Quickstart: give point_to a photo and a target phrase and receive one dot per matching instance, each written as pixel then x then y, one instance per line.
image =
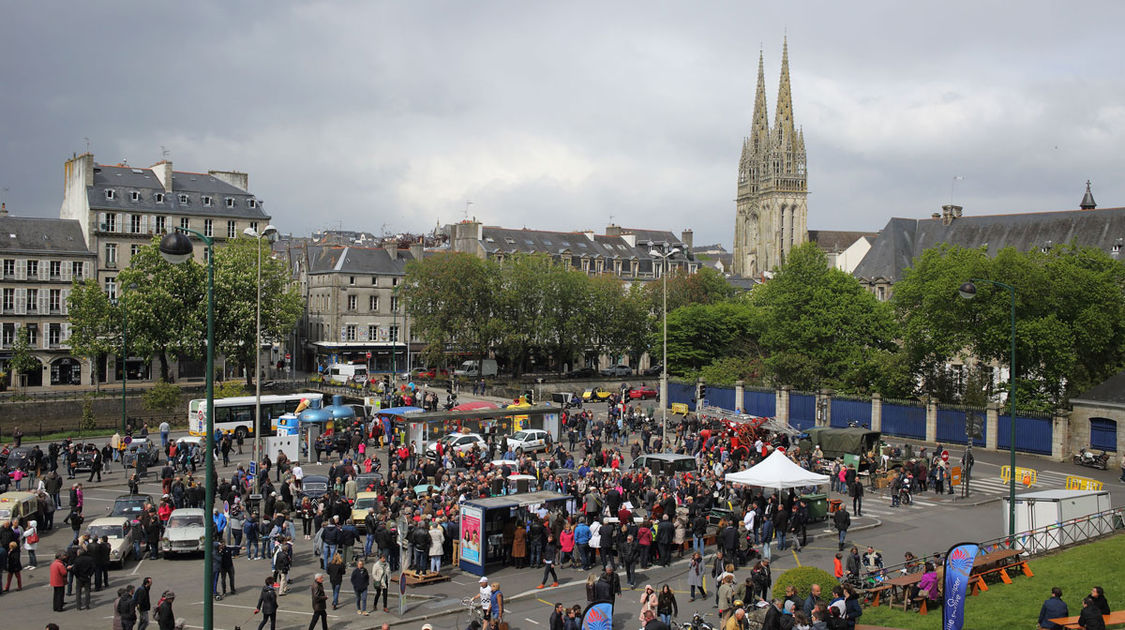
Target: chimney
pixel 417 250
pixel 686 237
pixel 391 245
pixel 163 172
pixel 613 230
pixel 588 234
pixel 950 212
pixel 234 178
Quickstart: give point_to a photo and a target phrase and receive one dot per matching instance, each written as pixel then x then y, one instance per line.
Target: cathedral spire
pixel 783 119
pixel 760 132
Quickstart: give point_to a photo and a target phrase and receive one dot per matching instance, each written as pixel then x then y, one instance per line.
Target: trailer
pixel 1049 508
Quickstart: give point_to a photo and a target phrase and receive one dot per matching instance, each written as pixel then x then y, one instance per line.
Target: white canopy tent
pixel 779 472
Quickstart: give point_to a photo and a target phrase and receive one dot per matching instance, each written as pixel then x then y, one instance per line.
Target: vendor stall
pixel 483 522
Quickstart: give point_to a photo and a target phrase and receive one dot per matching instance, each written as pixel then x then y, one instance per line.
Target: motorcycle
pixel 1090 460
pixel 696 623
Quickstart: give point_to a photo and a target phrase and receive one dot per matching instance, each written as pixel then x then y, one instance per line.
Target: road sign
pixel 955 476
pixel 1083 483
pixel 1025 476
pixel 368 354
pixel 287 356
pixel 945 456
pixel 402 594
pixel 253 470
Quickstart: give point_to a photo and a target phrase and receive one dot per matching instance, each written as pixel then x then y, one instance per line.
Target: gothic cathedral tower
pixel 772 204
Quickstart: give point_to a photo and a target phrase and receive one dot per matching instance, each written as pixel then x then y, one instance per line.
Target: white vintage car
pixel 185 531
pixel 119 532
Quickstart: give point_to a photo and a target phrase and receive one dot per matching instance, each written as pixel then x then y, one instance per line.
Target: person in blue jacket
pixel 1053 608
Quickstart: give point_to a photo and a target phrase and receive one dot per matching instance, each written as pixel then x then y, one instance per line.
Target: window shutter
pixel 21 269
pixel 63 299
pixel 101 221
pixel 144 224
pixel 65 334
pixel 21 301
pixel 44 301
pixel 64 271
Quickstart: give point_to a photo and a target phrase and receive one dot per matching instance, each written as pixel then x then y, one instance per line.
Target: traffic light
pixel 703 391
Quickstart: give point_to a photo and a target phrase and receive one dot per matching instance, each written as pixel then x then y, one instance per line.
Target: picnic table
pixel 998 563
pixel 893 587
pixel 1114 618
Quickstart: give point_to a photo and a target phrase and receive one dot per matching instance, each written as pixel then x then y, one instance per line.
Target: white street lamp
pixel 267 233
pixel 664 364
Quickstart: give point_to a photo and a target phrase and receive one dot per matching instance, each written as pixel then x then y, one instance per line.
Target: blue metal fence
pixel 904 420
pixel 1033 433
pixel 760 403
pixel 802 410
pixel 845 410
pixel 1103 434
pixel 722 397
pixel 681 393
pixel 952 424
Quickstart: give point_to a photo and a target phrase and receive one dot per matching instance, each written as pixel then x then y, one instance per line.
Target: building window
pixel 134 224
pixel 109 194
pixel 394 333
pixel 374 281
pixel 254 225
pixel 54 334
pixel 251 203
pixel 881 293
pixel 56 269
pixel 183 199
pixel 394 303
pixel 134 196
pixel 374 303
pixel 160 221
pixel 185 223
pixel 230 202
pixel 110 254
pixel 207 201
pixel 32 269
pixel 231 231
pixel 353 301
pixel 76 270
pixel 9 300
pixel 208 227
pixel 56 300
pixel 111 222
pixel 9 335
pixel 372 332
pixel 394 282
pixel 134 250
pixel 9 267
pixel 33 335
pixel 351 280
pixel 350 332
pixel 111 288
pixel 158 197
pixel 33 300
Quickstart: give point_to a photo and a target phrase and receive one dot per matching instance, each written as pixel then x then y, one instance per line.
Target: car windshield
pixel 314 485
pixel 449 438
pixel 5 514
pixel 521 435
pixel 185 520
pixel 365 502
pixel 127 507
pixel 109 531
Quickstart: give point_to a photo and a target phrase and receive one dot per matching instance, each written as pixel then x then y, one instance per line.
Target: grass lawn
pixel 1016 605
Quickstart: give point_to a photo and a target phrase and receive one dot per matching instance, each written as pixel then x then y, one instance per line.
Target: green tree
pixel 521 302
pixel 452 299
pixel 819 326
pixel 23 359
pixel 94 326
pixel 700 334
pixel 236 294
pixel 706 286
pixel 167 309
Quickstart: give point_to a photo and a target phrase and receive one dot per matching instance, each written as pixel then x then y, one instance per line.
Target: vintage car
pixel 363 501
pixel 314 486
pixel 119 532
pixel 22 506
pixel 529 441
pixel 458 442
pixel 367 482
pixel 131 505
pixel 596 394
pixel 185 532
pixel 84 460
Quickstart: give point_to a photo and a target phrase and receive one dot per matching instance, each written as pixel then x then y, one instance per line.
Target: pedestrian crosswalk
pixel 992 484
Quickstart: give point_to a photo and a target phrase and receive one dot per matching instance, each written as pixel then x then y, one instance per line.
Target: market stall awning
pixel 777 471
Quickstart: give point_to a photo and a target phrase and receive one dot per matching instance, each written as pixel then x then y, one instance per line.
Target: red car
pixel 432 373
pixel 643 393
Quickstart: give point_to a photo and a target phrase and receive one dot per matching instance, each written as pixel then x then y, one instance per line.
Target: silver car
pixel 185 532
pixel 119 532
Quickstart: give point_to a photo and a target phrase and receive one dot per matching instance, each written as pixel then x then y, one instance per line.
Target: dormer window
pixel 252 203
pixel 134 196
pixel 158 197
pixel 109 194
pixel 230 202
pixel 206 201
pixel 184 199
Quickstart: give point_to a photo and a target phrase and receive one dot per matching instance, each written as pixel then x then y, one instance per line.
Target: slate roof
pixel 35 235
pixel 836 241
pixel 125 179
pixel 1109 392
pixel 903 240
pixel 577 245
pixel 358 260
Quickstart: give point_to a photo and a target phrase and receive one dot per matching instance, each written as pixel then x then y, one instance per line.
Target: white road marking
pixel 136 568
pixel 292 612
pixel 531 620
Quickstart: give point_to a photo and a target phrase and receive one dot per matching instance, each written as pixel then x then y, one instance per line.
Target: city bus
pixel 235 415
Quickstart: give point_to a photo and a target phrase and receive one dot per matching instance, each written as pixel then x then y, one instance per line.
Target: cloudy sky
pixel 562 115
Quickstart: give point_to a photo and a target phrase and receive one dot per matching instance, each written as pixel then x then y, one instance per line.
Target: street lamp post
pixel 969 291
pixel 124 354
pixel 177 248
pixel 664 347
pixel 266 233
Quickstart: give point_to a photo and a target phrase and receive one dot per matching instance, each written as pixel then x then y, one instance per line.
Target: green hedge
pixel 803 578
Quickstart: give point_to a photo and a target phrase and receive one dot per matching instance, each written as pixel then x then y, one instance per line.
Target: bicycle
pixel 473 610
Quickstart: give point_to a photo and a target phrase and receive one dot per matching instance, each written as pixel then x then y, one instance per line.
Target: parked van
pixel 665 463
pixel 487 367
pixel 22 506
pixel 344 372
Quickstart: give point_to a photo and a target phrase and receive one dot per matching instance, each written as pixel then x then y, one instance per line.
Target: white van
pixel 487 367
pixel 344 372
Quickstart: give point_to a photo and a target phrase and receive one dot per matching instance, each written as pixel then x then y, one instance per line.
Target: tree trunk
pixel 163 366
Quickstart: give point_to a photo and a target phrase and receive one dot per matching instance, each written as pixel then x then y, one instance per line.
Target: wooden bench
pixel 1114 618
pixel 978 583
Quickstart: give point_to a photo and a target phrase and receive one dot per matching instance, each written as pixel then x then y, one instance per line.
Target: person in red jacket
pixel 58 579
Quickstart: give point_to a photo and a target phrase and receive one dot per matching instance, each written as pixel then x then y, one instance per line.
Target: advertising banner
pixel 958 567
pixel 471 534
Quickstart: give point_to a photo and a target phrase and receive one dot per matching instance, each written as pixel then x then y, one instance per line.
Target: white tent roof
pixel 779 472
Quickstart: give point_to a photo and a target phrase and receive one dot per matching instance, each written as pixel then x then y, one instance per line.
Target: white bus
pixel 235 415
